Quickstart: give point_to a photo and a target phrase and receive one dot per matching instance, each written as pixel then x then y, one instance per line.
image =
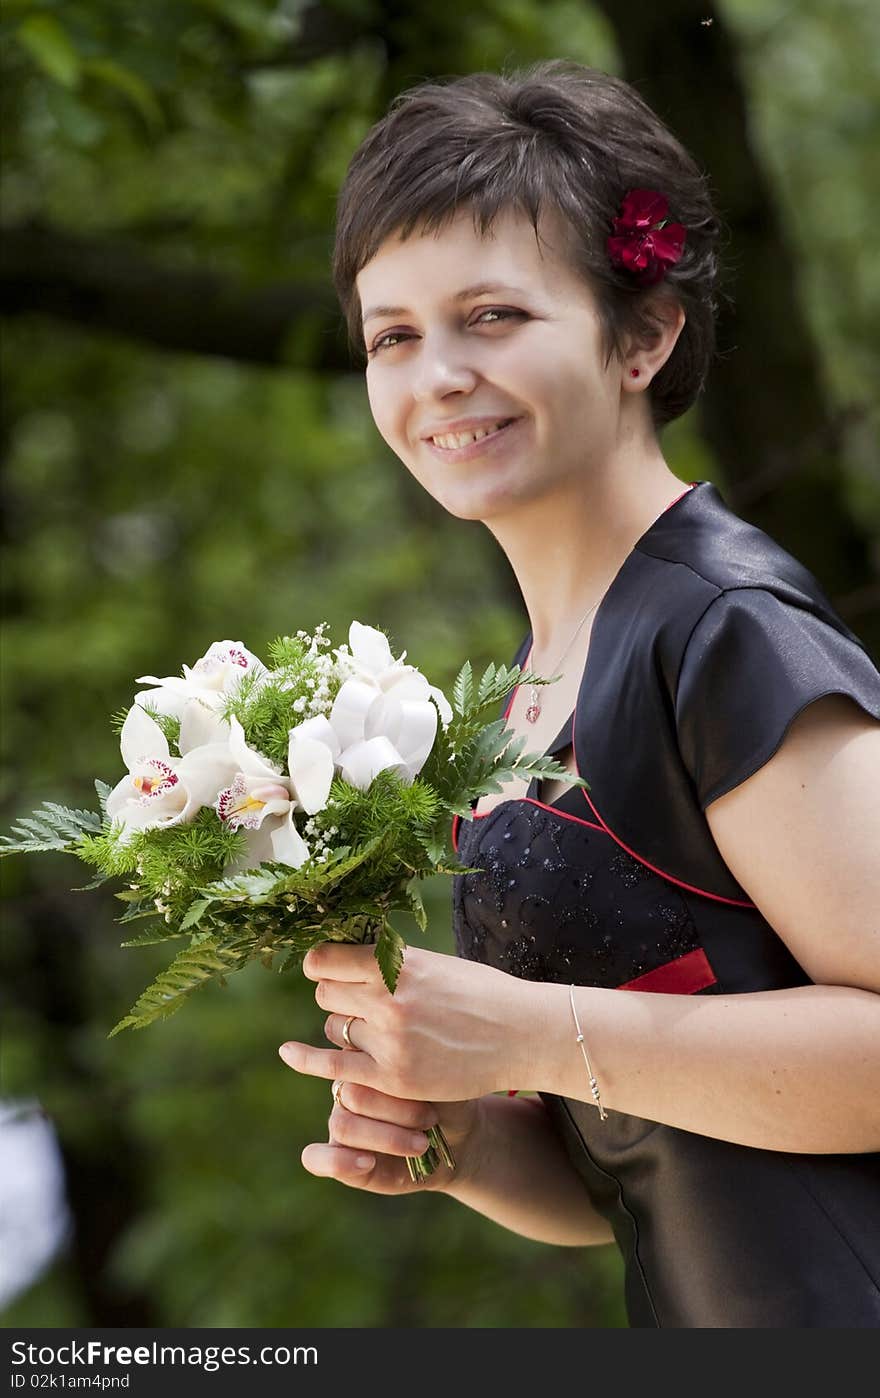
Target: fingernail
pixel 364 1162
pixel 288 1053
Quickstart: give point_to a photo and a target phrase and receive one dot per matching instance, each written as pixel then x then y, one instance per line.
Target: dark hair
pixel 553 135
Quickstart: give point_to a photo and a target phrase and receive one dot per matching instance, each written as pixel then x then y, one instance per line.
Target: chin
pixel 479 504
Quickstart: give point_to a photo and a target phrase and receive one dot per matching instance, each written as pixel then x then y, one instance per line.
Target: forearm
pixel 517 1173
pixel 793 1070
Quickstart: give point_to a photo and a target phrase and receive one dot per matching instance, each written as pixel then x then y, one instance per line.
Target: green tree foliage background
pixel 189 456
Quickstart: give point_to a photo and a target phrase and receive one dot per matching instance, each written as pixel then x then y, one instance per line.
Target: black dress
pixel 709 642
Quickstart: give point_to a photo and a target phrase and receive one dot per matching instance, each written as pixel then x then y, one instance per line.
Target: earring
pixel 634 373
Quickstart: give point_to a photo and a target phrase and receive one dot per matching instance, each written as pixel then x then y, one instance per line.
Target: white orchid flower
pixel 383 715
pixel 161 790
pixel 210 680
pixel 261 801
pixel 371 661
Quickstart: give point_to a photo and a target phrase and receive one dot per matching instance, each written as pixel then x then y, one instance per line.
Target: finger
pixel 385 1175
pixel 365 1134
pixel 337 1161
pixel 345 997
pixel 357 1032
pixel 341 961
pixel 402 1111
pixel 349 1064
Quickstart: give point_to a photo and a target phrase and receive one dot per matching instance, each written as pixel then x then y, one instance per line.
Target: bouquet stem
pixel 439 1150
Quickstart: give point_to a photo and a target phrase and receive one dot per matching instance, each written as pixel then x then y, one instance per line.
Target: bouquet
pixel 266 808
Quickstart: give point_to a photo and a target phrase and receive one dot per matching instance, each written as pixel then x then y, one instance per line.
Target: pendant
pixel 533 712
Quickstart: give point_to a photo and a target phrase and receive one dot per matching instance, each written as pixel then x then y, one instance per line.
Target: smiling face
pixel 528 350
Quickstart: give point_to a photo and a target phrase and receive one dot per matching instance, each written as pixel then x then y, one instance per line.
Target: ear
pixel 650 352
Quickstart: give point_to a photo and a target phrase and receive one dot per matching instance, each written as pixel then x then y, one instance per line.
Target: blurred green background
pixel 188 455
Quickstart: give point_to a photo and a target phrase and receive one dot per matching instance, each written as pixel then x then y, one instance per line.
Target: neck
pixel 585 530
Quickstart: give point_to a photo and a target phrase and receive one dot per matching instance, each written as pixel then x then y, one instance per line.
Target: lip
pixel 495 441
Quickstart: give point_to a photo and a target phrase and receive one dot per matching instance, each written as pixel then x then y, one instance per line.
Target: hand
pixel 371 1127
pixel 453 1030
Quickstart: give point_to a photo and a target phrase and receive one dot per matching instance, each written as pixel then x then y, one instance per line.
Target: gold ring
pixel 345 1031
pixel 337 1093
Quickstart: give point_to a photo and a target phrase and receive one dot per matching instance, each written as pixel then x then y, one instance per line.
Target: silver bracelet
pixel 594 1086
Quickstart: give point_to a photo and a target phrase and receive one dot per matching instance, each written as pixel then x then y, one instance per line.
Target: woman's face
pixel 446 356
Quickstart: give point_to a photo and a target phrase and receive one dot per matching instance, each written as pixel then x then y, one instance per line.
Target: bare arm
pixel 518 1174
pixel 793 1070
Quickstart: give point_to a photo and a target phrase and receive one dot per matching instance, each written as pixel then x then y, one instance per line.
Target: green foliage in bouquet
pixel 368 848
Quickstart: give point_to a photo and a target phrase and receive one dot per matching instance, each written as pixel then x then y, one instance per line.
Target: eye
pixel 383 341
pixel 496 311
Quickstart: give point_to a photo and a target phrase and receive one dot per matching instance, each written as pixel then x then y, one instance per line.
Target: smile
pixel 463 445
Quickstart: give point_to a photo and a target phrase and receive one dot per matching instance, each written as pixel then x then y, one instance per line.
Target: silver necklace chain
pixel 533 712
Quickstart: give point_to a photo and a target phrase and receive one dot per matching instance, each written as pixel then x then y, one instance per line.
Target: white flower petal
pixel 410 724
pixel 443 705
pixel 200 725
pixel 164 700
pixel 276 839
pixel 252 763
pixel 141 737
pixel 321 729
pixel 403 681
pixel 152 812
pixel 122 792
pixel 204 771
pixel 349 710
pixel 288 845
pixel 311 767
pixel 369 647
pixel 361 762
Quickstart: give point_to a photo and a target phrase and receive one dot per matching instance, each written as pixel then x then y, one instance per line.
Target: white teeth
pixel 452 440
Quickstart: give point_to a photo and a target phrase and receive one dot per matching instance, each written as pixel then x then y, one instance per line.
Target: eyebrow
pixel 479 289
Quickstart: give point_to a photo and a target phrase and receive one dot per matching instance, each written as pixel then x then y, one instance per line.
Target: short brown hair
pixel 553 135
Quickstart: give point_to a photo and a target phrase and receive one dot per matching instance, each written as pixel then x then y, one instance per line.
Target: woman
pixel 529 262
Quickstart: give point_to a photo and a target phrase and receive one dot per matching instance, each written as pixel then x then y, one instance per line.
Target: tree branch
pixel 105 284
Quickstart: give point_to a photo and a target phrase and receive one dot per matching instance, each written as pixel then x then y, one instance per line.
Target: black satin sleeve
pixel 752 664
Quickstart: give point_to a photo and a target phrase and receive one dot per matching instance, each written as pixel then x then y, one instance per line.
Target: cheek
pixel 387 410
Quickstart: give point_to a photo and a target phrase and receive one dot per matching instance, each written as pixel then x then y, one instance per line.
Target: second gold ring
pixel 346 1031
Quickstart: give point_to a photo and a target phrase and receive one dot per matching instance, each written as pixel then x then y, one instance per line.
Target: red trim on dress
pixel 691 888
pixel 531 801
pixel 683 976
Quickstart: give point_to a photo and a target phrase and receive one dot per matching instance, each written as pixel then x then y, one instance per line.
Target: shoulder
pixel 800 836
pixel 721 551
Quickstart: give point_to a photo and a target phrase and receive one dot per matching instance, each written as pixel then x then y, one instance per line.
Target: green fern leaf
pixel 252 886
pixel 463 689
pixel 487 686
pixel 194 913
pixel 151 939
pixel 51 827
pixel 103 790
pixel 413 896
pixel 390 948
pixel 190 969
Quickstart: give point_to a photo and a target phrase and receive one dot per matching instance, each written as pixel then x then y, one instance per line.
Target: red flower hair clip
pixel 644 242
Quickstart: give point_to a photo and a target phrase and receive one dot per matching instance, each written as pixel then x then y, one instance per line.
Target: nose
pixel 441 369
